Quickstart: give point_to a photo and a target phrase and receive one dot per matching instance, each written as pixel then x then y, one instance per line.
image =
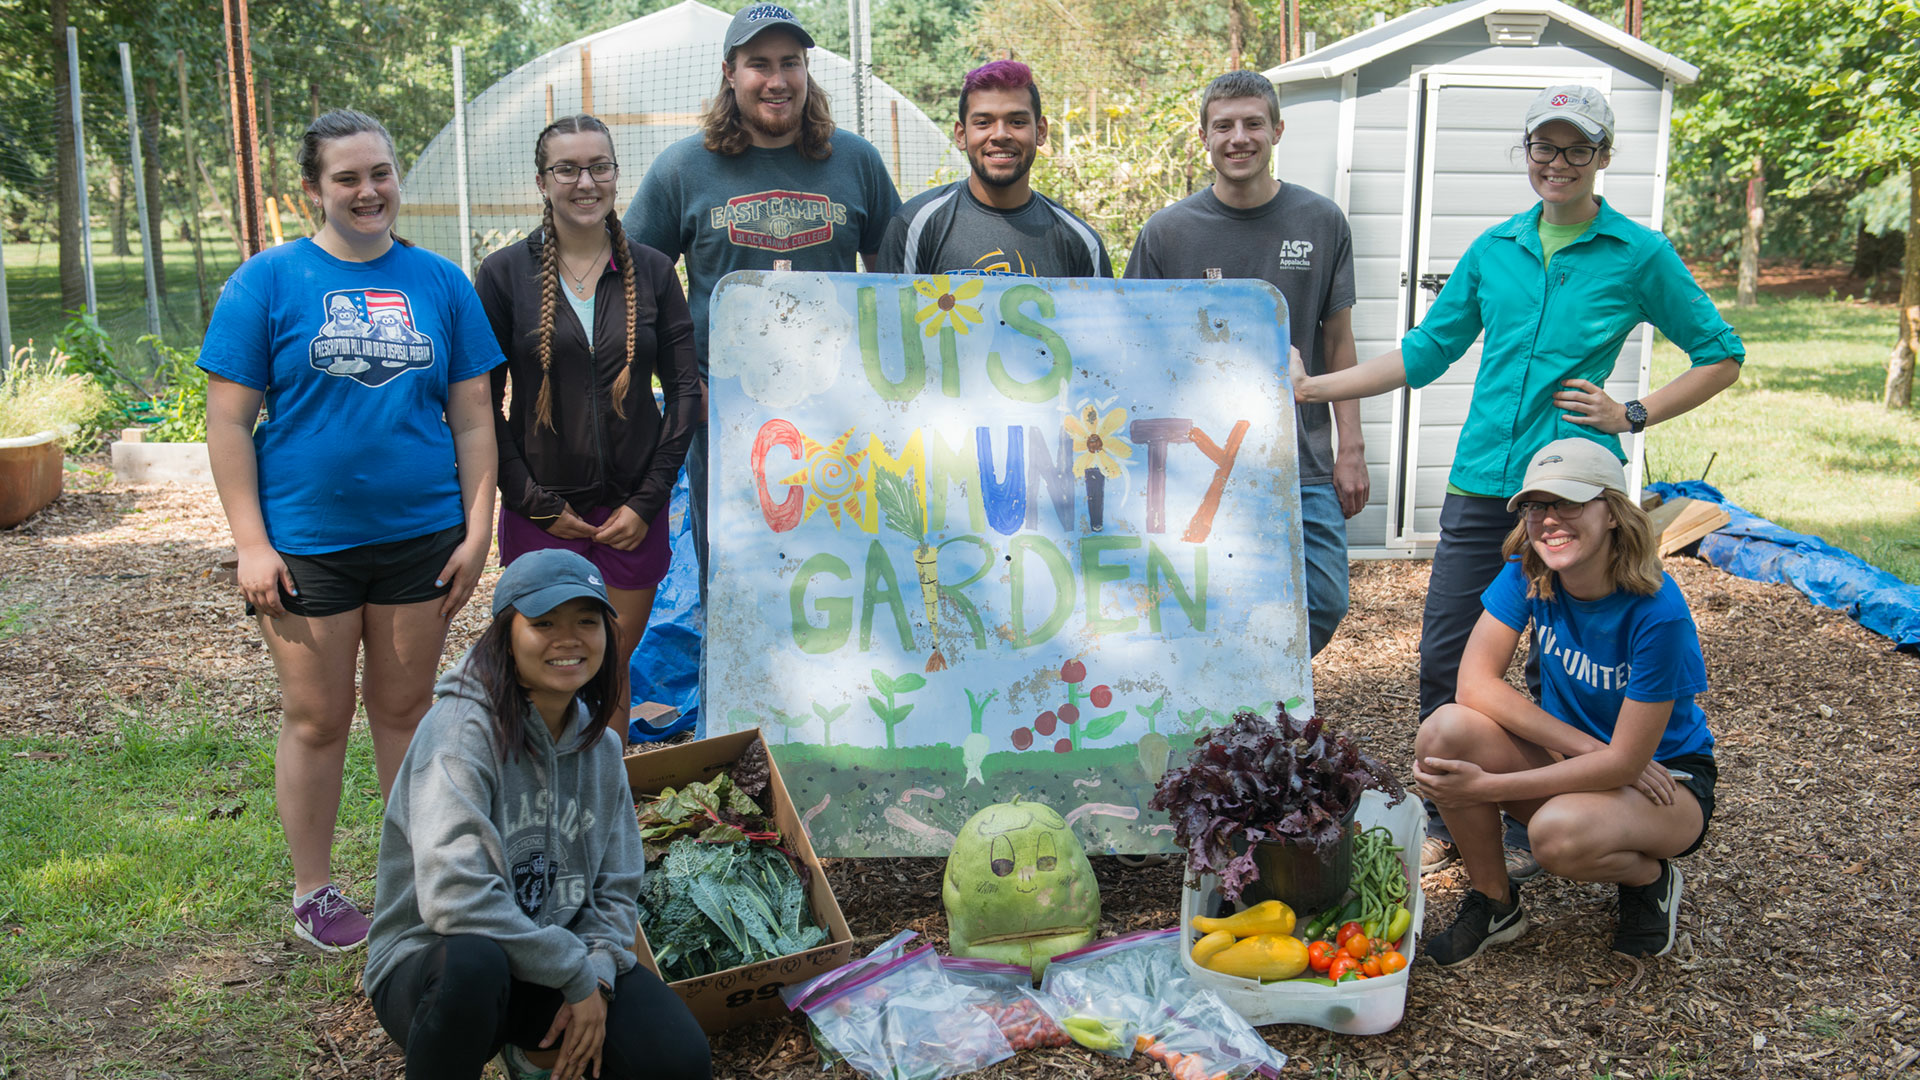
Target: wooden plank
pixel 1681 521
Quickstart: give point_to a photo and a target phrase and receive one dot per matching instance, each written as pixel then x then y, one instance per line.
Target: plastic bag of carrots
pixel 1207 1040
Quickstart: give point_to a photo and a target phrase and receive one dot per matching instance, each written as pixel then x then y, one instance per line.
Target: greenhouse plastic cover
pixel 1752 547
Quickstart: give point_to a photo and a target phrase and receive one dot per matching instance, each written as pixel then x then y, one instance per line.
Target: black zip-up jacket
pixel 591 457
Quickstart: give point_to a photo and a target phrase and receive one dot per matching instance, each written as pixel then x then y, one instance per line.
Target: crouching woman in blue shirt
pixel 510 860
pixel 1613 770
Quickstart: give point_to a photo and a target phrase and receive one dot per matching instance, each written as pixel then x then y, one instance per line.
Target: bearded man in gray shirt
pixel 993 222
pixel 1250 225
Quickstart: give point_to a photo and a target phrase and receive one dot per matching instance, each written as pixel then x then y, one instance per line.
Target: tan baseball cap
pixel 1577 469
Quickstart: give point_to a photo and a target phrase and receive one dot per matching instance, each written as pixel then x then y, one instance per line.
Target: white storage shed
pixel 649 80
pixel 1413 127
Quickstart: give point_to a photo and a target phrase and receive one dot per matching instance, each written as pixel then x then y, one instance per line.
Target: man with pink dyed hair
pixel 993 222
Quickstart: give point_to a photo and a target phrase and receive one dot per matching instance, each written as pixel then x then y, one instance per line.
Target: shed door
pixel 1465 174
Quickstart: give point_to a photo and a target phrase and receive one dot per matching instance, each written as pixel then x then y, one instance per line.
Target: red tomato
pixel 1357 946
pixel 1347 930
pixel 1069 713
pixel 1371 967
pixel 1063 746
pixel 1022 738
pixel 1101 696
pixel 1044 723
pixel 1320 955
pixel 1073 671
pixel 1342 964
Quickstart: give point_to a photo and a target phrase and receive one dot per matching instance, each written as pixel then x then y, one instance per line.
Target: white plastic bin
pixel 1363 1007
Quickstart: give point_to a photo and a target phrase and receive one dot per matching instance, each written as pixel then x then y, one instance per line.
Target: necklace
pixel 580 279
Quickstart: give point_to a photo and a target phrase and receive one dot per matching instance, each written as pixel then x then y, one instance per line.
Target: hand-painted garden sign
pixel 977 537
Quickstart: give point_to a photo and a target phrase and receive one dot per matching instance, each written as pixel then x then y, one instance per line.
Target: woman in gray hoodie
pixel 510 859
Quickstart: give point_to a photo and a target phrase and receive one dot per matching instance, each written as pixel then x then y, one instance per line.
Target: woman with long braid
pixel 587 318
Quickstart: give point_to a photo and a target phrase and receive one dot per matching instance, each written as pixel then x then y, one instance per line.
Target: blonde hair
pixel 1633 565
pixel 550 277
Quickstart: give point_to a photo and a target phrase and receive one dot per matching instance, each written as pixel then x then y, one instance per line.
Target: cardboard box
pixel 743 995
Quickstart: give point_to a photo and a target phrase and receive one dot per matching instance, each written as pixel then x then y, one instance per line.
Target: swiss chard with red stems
pixel 1258 779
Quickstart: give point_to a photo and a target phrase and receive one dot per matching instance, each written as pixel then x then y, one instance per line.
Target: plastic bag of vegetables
pixel 1011 1001
pixel 905 1020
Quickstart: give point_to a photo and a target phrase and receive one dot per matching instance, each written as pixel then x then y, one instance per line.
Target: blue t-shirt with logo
pixel 1595 654
pixel 355 360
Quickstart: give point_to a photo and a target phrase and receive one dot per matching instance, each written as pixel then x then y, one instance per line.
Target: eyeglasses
pixel 1577 155
pixel 568 173
pixel 1562 508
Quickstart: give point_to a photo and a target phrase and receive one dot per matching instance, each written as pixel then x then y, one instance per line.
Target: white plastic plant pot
pixel 1363 1007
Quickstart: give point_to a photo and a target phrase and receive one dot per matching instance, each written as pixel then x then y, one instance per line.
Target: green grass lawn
pixel 1802 438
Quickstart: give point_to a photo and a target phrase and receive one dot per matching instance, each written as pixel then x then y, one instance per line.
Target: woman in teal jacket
pixel 1556 290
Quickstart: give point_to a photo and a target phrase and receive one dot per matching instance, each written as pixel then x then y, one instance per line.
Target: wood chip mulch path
pixel 1797 956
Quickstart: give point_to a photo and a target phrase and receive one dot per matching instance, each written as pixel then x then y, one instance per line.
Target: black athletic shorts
pixel 399 572
pixel 1703 775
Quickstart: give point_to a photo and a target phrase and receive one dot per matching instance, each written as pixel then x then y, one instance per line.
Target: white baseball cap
pixel 1584 107
pixel 1576 469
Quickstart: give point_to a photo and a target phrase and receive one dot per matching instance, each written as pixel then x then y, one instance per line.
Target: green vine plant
pixel 827 717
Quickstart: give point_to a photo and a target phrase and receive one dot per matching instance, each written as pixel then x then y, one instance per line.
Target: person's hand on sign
pixel 1296 374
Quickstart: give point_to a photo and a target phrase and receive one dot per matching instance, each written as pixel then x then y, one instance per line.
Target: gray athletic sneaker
pixel 1649 914
pixel 513 1061
pixel 1482 921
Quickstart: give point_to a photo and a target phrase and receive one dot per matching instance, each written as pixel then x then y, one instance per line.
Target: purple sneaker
pixel 329 921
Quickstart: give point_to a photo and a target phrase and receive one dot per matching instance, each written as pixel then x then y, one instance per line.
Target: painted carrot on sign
pixel 900 504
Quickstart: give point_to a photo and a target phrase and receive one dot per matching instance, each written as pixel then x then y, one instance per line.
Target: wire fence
pixel 1122 144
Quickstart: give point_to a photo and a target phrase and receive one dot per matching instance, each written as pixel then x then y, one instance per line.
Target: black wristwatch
pixel 1636 417
pixel 606 992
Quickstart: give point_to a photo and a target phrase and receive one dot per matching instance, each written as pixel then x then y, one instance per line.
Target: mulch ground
pixel 1797 952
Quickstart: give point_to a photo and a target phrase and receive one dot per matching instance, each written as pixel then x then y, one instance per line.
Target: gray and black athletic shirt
pixel 947 230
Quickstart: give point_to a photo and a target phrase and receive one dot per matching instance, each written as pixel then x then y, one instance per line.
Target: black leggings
pixel 454 1004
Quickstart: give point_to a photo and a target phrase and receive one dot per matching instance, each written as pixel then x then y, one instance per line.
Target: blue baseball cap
pixel 757 18
pixel 540 581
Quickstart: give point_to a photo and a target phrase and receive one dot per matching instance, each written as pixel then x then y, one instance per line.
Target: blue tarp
pixel 666 665
pixel 1752 547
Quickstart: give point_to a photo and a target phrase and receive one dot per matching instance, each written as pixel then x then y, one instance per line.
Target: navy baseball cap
pixel 540 581
pixel 752 20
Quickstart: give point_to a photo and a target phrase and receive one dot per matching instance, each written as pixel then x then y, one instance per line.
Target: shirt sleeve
pixel 883 202
pixel 679 383
pixel 1679 308
pixel 608 924
pixel 1140 262
pixel 1340 292
pixel 893 247
pixel 1105 269
pixel 1449 327
pixel 518 491
pixel 460 888
pixel 653 217
pixel 1665 652
pixel 1506 599
pixel 475 350
pixel 239 339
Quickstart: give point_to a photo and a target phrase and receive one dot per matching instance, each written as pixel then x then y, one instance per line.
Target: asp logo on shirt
pixel 1295 254
pixel 369 337
pixel 779 220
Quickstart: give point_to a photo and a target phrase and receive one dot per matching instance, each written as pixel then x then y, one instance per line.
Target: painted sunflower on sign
pixel 945 308
pixel 1096 440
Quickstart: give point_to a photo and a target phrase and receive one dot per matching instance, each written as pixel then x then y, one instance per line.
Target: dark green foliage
pixel 709 907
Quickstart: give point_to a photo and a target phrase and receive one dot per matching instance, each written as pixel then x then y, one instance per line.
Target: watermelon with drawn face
pixel 1018 887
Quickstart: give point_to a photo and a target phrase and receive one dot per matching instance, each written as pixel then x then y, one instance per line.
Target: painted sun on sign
pixel 1060 538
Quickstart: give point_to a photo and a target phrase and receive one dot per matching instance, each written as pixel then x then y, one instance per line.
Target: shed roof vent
pixel 1514 28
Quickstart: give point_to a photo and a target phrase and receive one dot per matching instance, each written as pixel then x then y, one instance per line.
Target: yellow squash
pixel 1263 956
pixel 1204 949
pixel 1266 917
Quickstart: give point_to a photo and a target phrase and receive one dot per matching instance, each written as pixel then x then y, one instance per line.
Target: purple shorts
pixel 641 568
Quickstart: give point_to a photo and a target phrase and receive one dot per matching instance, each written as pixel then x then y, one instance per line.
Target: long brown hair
pixel 341 124
pixel 727 134
pixel 499 678
pixel 550 277
pixel 1634 564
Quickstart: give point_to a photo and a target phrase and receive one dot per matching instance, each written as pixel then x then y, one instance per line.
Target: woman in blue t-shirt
pixel 362 507
pixel 1613 770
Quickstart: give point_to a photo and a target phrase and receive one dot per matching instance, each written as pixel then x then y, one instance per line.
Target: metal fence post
pixel 80 169
pixel 6 320
pixel 460 157
pixel 140 193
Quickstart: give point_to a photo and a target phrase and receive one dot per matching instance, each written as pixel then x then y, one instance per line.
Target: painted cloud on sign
pixel 784 346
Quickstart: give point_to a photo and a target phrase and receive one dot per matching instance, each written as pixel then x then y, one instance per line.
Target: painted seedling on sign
pixel 978 537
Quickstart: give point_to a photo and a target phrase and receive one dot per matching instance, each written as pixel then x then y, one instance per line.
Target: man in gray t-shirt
pixel 993 222
pixel 1250 225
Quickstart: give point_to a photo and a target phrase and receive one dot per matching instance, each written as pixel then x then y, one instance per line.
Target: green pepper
pixel 1319 924
pixel 1371 928
pixel 1317 980
pixel 1092 1032
pixel 1351 976
pixel 1397 927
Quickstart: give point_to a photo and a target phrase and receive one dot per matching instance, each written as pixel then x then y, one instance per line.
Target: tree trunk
pixel 1899 394
pixel 150 176
pixel 73 272
pixel 1236 34
pixel 117 208
pixel 1749 289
